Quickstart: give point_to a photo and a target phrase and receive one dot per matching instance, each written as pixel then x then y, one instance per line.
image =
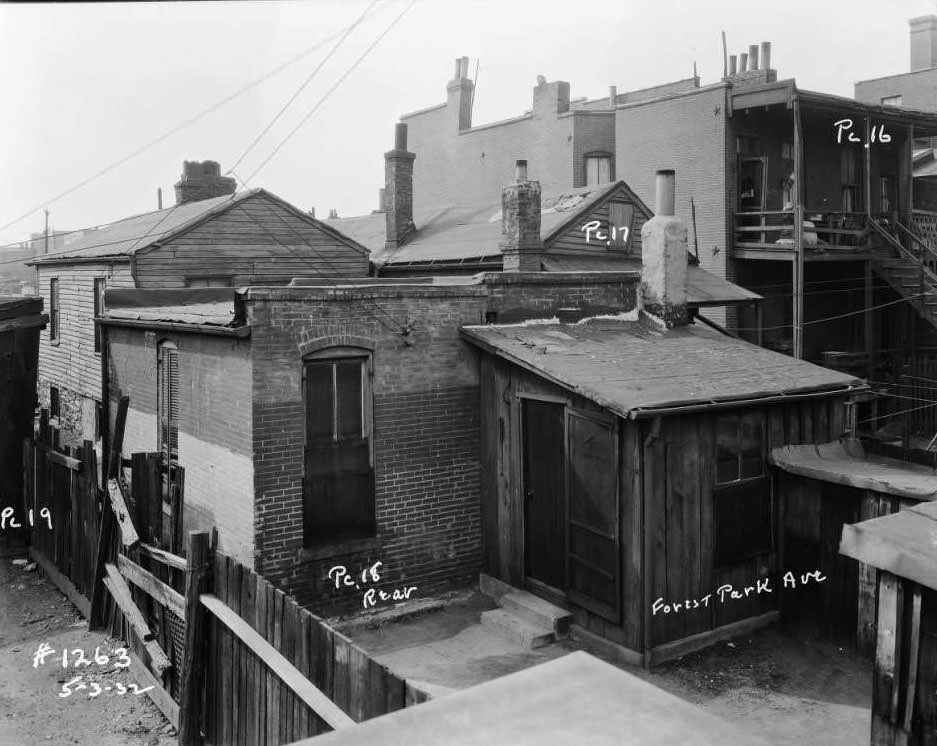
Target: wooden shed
pixel 823 488
pixel 625 473
pixel 903 547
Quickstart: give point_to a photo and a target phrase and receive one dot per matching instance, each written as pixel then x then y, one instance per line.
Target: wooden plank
pixel 302 721
pixel 193 652
pixel 272 682
pixel 248 714
pixel 282 668
pixel 117 438
pixel 884 686
pixel 395 690
pixel 227 689
pixel 341 693
pixel 359 683
pixel 914 645
pixel 676 494
pixel 121 594
pixel 173 560
pixel 128 534
pixel 655 557
pixel 151 585
pixel 375 703
pixel 60 459
pixel 159 696
pixel 239 692
pixel 259 623
pixel 632 525
pixel 288 649
pixel 61 582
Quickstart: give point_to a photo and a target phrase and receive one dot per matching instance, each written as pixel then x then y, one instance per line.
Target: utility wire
pixel 187 123
pixel 331 90
pixel 305 83
pixel 837 316
pixel 895 414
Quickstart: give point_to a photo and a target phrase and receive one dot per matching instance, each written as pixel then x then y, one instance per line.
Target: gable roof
pixel 139 233
pixel 635 368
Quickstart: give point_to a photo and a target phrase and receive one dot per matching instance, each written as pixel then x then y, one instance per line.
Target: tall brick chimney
pixel 521 247
pixel 398 189
pixel 202 181
pixel 459 92
pixel 923 42
pixel 664 259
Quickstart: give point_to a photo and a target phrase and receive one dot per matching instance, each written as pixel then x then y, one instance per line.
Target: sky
pixel 87 86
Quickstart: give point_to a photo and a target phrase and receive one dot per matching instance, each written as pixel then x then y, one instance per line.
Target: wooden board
pixel 122 596
pixel 149 583
pixel 128 534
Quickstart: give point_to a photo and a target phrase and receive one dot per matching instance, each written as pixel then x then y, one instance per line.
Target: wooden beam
pixel 128 534
pixel 196 582
pixel 61 459
pixel 167 558
pixel 121 594
pixel 105 534
pixel 278 665
pixel 913 652
pixel 886 653
pixel 678 648
pixel 797 290
pixel 117 441
pixel 151 585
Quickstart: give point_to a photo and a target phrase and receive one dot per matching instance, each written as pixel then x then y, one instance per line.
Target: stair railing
pixel 904 252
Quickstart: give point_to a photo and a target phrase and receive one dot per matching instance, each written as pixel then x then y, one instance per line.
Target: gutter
pixel 180 326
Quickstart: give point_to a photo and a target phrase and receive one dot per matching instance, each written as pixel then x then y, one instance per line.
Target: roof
pixel 129 236
pixel 904 543
pixel 208 310
pixel 703 288
pixel 847 464
pixel 635 368
pixel 467 232
pixel 574 699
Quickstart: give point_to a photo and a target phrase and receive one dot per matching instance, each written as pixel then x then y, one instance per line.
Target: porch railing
pixel 773 230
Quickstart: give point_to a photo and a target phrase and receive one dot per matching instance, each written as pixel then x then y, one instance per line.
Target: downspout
pixel 647 542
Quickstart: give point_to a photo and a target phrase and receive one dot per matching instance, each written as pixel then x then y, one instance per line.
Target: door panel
pixel 544 488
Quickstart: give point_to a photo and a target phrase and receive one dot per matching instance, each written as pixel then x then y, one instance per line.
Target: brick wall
pixel 687 133
pixel 918 90
pixel 215 444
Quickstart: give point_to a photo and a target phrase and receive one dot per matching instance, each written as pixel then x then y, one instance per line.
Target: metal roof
pixel 634 368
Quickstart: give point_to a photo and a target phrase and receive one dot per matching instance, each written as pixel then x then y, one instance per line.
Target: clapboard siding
pixel 72 363
pixel 257 240
pixel 573 239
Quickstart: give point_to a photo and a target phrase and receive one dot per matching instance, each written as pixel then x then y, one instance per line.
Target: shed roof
pixel 211 310
pixel 847 463
pixel 635 368
pixel 570 700
pixel 904 543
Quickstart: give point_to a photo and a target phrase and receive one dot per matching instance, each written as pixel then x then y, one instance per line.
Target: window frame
pixel 891 100
pixel 99 284
pixel 55 306
pixel 167 352
pixel 331 355
pixel 598 155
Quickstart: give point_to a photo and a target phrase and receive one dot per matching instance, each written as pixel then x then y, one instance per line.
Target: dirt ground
pixel 791 691
pixel 32 612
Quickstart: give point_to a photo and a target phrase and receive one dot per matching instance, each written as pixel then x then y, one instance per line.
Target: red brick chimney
pixel 202 181
pixel 459 93
pixel 521 247
pixel 398 190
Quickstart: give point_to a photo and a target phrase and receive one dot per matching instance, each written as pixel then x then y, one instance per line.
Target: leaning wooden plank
pixel 117 438
pixel 173 560
pixel 55 457
pixel 160 696
pixel 193 653
pixel 152 585
pixel 282 668
pixel 886 654
pixel 128 534
pixel 915 643
pixel 121 594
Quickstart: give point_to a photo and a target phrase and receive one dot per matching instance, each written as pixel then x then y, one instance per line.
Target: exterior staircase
pixel 911 270
pixel 522 617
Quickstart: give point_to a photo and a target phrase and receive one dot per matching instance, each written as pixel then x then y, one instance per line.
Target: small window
pixel 742 493
pixel 339 474
pixel 598 169
pixel 55 404
pixel 851 178
pixel 54 328
pixel 99 285
pixel 214 281
pixel 891 100
pixel 167 400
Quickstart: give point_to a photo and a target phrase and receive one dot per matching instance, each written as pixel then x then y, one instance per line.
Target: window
pixel 339 469
pixel 167 400
pixel 742 494
pixel 99 284
pixel 849 170
pixel 206 281
pixel 598 169
pixel 54 310
pixel 891 100
pixel 55 404
pixel 886 192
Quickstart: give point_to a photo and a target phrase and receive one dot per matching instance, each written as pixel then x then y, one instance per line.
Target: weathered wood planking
pixel 884 687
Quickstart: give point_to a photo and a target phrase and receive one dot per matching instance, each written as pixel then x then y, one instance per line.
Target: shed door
pixel 594 554
pixel 544 492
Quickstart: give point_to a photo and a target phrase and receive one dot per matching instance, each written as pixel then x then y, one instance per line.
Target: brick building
pixel 210 237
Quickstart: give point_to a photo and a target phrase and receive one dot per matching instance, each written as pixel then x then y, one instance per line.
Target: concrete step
pixel 536 610
pixel 517 630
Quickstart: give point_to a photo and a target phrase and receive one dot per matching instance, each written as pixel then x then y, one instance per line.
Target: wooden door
pixel 544 489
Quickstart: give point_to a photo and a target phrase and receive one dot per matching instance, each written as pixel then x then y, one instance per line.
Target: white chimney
pixel 664 259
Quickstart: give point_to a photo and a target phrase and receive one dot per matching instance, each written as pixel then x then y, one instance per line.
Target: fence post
pixel 196 583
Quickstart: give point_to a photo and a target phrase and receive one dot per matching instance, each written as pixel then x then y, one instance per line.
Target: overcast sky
pixel 83 86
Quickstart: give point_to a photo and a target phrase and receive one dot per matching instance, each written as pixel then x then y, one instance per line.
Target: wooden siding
pixel 72 363
pixel 572 240
pixel 256 241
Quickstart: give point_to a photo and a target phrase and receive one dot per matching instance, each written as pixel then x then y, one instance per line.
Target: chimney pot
pixel 612 96
pixel 743 62
pixel 202 181
pixel 520 170
pixel 458 69
pixel 312 212
pixel 463 68
pixel 753 56
pixel 400 136
pixel 766 55
pixel 665 184
pixel 733 64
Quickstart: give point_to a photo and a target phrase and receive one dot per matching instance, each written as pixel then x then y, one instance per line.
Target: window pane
pixel 320 423
pixel 605 170
pixel 348 385
pixel 742 515
pixel 727 463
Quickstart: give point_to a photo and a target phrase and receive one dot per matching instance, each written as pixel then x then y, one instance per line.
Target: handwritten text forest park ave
pixel 727 592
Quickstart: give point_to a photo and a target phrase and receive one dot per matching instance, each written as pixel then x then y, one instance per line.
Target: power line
pixel 895 414
pixel 187 123
pixel 837 316
pixel 331 90
pixel 302 87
